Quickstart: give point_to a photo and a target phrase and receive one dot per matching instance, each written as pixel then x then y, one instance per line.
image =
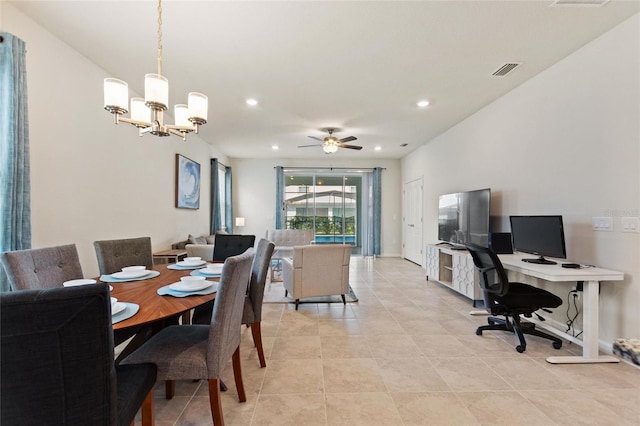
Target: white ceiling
pixel 355 65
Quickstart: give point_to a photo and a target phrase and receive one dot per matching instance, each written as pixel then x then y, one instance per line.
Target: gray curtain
pixel 216 217
pixel 279 197
pixel 228 200
pixel 377 209
pixel 15 187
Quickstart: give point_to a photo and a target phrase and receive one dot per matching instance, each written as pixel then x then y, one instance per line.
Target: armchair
pixel 317 270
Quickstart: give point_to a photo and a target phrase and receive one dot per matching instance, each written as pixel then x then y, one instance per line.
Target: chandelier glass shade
pixel 147 113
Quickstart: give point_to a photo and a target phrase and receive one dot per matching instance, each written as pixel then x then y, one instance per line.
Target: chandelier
pixel 147 113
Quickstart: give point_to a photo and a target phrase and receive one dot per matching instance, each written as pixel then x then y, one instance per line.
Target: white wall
pixel 565 142
pixel 254 186
pixel 91 179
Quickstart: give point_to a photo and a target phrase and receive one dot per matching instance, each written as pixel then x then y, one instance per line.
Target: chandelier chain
pixel 160 37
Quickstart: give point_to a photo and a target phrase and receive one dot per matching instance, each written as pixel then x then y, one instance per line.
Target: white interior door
pixel 412 223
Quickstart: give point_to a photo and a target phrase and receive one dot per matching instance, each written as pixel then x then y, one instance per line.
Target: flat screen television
pixel 463 217
pixel 539 235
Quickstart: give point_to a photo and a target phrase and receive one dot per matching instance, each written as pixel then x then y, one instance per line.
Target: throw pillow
pixel 197 240
pixel 210 239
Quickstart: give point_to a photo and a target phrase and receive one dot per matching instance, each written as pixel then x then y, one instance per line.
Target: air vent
pixel 588 3
pixel 505 69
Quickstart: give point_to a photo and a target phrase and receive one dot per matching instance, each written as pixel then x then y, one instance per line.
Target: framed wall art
pixel 187 183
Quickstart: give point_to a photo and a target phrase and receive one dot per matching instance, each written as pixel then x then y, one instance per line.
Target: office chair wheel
pixel 557 345
pixel 478 332
pixel 521 348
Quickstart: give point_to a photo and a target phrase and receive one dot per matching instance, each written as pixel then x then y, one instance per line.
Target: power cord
pixel 571 320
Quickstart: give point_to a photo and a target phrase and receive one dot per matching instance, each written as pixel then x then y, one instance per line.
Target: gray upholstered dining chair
pixel 42 268
pixel 200 352
pixel 252 311
pixel 57 361
pixel 113 255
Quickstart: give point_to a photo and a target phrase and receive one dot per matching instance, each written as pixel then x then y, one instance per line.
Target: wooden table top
pixel 154 307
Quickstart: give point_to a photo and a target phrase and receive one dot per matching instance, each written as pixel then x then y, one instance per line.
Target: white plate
pixel 206 272
pixel 81 281
pixel 192 287
pixel 198 263
pixel 117 308
pixel 213 268
pixel 123 275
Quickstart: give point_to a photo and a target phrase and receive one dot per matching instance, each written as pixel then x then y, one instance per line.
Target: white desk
pixel 591 289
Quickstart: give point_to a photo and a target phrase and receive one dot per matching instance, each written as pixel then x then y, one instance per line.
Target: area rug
pixel 274 293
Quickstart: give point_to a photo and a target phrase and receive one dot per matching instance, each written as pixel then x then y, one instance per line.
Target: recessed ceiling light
pixel 275 147
pixel 422 104
pixel 252 102
pixel 378 148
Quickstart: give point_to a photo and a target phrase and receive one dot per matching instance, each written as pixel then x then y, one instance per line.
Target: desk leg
pixel 590 330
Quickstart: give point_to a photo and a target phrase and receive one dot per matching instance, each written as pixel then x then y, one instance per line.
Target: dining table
pixel 155 311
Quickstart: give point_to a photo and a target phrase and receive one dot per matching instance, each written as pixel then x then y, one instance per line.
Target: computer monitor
pixel 540 235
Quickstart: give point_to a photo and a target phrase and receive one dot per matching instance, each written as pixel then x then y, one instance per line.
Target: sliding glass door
pixel 330 203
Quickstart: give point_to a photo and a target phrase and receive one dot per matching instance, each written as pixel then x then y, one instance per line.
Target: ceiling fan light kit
pixel 147 113
pixel 330 144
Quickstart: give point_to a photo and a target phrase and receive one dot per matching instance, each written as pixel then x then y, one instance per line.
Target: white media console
pixel 453 268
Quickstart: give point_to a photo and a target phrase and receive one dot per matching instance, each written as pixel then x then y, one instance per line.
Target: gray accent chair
pixel 113 255
pixel 317 270
pixel 57 361
pixel 36 269
pixel 201 352
pixel 252 313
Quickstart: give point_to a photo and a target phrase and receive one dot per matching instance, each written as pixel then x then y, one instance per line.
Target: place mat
pixel 168 291
pixel 130 310
pixel 185 268
pixel 197 273
pixel 274 293
pixel 110 279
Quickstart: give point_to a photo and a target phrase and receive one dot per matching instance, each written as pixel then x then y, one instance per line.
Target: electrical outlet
pixel 630 224
pixel 602 223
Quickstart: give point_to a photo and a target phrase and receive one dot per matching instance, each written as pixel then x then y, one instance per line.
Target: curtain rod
pixel 353 169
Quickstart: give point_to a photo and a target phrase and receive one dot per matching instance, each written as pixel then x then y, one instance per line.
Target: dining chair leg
pixel 169 388
pixel 215 401
pixel 257 340
pixel 147 410
pixel 237 374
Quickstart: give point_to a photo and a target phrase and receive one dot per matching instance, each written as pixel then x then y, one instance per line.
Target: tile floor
pixel 405 354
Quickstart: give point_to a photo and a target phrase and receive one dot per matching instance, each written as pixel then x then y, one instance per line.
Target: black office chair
pixel 510 299
pixel 56 348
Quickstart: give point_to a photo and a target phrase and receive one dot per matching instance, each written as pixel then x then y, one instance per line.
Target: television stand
pixel 540 261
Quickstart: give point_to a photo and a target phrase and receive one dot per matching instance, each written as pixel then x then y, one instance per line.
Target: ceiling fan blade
pixel 307 146
pixel 316 138
pixel 348 139
pixel 350 146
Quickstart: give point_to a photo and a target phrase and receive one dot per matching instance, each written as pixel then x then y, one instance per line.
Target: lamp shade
pixel 116 95
pixel 239 221
pixel 198 107
pixel 181 114
pixel 156 91
pixel 139 111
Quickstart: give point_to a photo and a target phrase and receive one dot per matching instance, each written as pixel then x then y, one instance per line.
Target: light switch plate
pixel 602 223
pixel 630 224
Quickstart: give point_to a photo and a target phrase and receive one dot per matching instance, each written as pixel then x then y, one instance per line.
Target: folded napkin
pixel 130 310
pixel 168 291
pixel 110 279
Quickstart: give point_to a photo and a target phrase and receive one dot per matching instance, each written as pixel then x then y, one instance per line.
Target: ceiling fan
pixel 330 144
